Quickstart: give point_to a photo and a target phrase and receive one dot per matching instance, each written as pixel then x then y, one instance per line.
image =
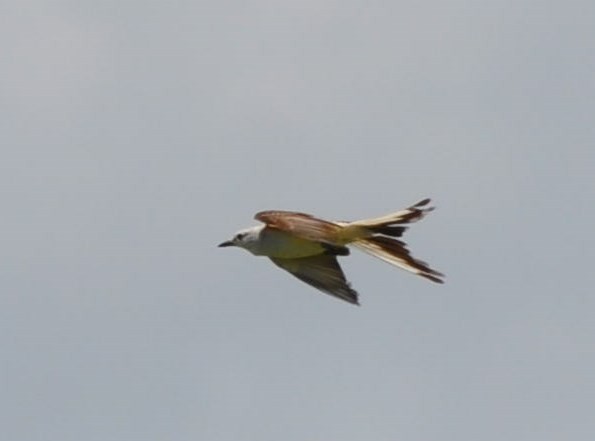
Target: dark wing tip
pixel 346 293
pixel 423 203
pixel 352 297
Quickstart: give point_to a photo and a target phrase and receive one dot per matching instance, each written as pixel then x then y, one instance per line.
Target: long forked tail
pixel 376 237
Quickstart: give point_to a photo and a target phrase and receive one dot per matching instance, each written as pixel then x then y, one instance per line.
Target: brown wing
pixel 300 225
pixel 322 272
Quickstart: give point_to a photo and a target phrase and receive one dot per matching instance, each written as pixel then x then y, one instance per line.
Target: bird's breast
pixel 276 243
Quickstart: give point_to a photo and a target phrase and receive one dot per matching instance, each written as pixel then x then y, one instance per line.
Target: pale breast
pixel 276 243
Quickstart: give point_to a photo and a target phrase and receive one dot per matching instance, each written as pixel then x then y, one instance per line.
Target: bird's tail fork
pixel 376 236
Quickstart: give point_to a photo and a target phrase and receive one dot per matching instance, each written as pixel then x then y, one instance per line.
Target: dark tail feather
pixel 388 230
pixel 392 224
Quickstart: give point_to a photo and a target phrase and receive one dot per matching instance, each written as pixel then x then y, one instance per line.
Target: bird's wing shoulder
pixel 301 225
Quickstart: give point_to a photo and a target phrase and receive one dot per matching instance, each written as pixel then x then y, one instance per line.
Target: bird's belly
pixel 274 243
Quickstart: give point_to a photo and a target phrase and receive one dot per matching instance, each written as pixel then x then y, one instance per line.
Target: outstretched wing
pixel 322 272
pixel 300 225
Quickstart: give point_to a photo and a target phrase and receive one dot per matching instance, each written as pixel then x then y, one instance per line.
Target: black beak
pixel 227 243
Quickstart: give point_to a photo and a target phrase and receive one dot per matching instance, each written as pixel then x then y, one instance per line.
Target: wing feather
pixel 323 272
pixel 301 225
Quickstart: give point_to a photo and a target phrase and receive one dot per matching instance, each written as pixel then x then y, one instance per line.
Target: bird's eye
pixel 240 236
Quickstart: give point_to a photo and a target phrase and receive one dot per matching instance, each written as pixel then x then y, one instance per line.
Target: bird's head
pixel 247 239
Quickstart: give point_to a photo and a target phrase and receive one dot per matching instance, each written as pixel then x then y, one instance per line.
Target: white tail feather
pixel 395 252
pixel 408 215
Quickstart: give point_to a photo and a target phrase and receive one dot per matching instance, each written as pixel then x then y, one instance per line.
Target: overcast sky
pixel 137 135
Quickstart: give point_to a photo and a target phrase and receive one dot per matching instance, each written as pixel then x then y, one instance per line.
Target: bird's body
pixel 270 242
pixel 308 247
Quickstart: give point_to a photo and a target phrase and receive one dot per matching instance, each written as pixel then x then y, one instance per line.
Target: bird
pixel 307 247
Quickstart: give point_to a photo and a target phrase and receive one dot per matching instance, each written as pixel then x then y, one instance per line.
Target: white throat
pixel 249 239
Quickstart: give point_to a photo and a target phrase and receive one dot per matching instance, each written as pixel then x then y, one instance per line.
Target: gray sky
pixel 138 135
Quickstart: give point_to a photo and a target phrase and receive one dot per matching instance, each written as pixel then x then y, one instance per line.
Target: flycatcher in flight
pixel 308 247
